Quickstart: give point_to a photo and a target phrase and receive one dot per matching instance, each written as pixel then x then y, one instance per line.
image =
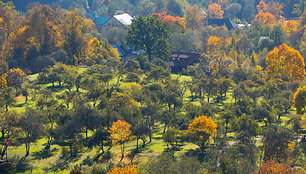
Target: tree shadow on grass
pixel 55 88
pixel 43 154
pixel 63 163
pixel 196 153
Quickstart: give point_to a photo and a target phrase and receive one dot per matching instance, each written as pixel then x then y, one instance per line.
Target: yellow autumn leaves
pixel 284 60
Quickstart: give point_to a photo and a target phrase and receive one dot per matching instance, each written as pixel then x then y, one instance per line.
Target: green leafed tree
pixel 149 34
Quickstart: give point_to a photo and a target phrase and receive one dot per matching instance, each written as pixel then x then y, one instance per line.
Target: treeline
pixel 46 35
pixel 244 10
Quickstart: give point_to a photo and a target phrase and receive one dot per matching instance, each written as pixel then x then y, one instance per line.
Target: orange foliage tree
pixel 290 26
pixel 171 20
pixel 269 13
pixel 270 167
pixel 299 100
pixel 120 134
pixel 215 11
pixel 262 6
pixel 201 129
pixel 285 60
pixel 266 18
pixel 126 170
pixel 275 8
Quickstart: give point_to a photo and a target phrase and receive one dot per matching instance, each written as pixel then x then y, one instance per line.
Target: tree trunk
pixel 165 128
pixel 144 142
pixel 122 152
pixel 137 143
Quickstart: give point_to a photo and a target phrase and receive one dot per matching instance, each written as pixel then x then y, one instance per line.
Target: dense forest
pixel 72 102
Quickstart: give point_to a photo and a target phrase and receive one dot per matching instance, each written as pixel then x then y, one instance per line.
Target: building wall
pixel 111 24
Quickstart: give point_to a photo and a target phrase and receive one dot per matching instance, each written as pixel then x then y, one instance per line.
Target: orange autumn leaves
pixel 120 132
pixel 126 170
pixel 271 167
pixel 215 11
pixel 284 60
pixel 269 13
pixel 171 20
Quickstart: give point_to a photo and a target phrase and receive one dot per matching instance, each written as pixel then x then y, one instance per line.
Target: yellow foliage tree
pixel 285 60
pixel 215 11
pixel 290 26
pixel 132 88
pixel 201 129
pixel 194 17
pixel 120 134
pixel 216 44
pixel 299 100
pixel 266 18
pixel 126 170
pixel 3 82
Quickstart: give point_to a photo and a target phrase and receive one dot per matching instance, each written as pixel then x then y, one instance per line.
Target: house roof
pixel 182 59
pixel 124 18
pixel 220 22
pixel 92 16
pixel 101 20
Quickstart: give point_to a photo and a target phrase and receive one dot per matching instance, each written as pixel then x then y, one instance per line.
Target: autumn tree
pixel 201 130
pixel 149 34
pixel 39 35
pixel 290 26
pixel 266 18
pixel 215 11
pixel 277 143
pixel 171 20
pixel 98 52
pixel 120 134
pixel 285 60
pixel 3 81
pixel 75 29
pixel 217 44
pixel 8 21
pixel 15 77
pixel 299 100
pixel 126 170
pixel 272 167
pixel 194 17
pixel 275 8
